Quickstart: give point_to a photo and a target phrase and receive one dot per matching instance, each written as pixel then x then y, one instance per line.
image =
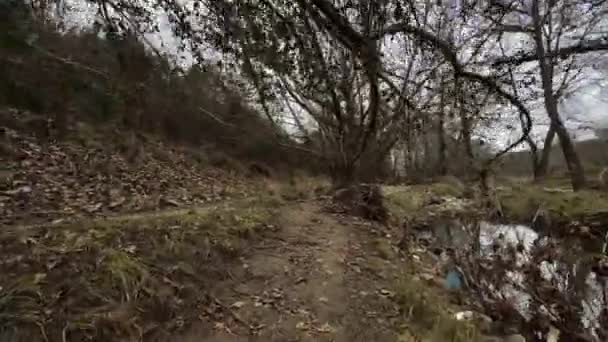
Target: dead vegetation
pixel 133 278
pixel 146 276
pixel 521 202
pixel 411 202
pixel 95 172
pixel 538 287
pixel 429 315
pixel 363 200
pixel 67 78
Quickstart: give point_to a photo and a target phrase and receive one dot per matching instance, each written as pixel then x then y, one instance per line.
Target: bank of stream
pixel 525 280
pixel 538 269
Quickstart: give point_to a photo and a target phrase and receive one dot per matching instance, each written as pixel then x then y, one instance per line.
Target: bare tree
pixel 335 74
pixel 560 31
pixel 332 61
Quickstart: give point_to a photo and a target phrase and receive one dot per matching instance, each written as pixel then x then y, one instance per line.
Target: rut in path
pixel 318 279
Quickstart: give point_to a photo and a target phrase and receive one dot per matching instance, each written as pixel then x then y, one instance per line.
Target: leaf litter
pixel 129 279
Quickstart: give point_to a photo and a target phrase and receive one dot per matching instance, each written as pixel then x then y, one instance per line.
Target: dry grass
pixel 520 199
pixel 129 278
pixel 303 187
pixel 407 201
pixel 427 314
pixel 521 202
pixel 384 248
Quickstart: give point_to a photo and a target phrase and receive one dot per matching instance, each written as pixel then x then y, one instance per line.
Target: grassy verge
pixel 521 202
pixel 425 306
pixel 296 187
pixel 428 315
pixel 520 199
pixel 409 201
pixel 130 278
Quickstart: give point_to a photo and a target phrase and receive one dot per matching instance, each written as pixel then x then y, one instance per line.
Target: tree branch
pixel 581 48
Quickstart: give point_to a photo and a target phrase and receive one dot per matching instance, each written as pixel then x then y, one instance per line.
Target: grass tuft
pixel 124 272
pixel 521 202
pixel 301 187
pixel 126 278
pixel 427 315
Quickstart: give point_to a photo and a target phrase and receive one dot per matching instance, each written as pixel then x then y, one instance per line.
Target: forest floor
pixel 172 246
pixel 320 277
pixel 280 265
pixel 109 236
pixel 253 269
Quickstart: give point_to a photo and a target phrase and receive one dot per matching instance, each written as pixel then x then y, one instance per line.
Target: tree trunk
pixel 469 169
pixel 343 174
pixel 541 169
pixel 577 174
pixel 441 132
pixel 465 123
pixel 409 160
pixel 427 162
pixel 442 145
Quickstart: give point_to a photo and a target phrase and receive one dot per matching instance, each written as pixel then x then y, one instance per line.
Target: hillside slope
pixel 102 170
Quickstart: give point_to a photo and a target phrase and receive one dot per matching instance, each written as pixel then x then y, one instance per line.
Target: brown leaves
pixel 46 182
pixel 362 200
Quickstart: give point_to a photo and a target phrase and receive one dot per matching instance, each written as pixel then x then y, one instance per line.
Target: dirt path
pixel 320 278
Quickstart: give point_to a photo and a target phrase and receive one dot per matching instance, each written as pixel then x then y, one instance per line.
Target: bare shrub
pixel 364 200
pixel 72 77
pixel 533 286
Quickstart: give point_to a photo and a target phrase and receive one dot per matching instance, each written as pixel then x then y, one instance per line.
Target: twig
pixel 43 332
pixel 64 334
pixel 69 62
pixel 234 315
pixel 12 60
pixel 215 117
pixel 605 245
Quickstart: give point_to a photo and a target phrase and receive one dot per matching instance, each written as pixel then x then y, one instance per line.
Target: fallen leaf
pixel 39 277
pixel 51 264
pixel 118 203
pixel 277 293
pixel 325 328
pixel 238 304
pixel 131 249
pixel 168 202
pixel 387 293
pixel 223 327
pixel 94 208
pixel 19 191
